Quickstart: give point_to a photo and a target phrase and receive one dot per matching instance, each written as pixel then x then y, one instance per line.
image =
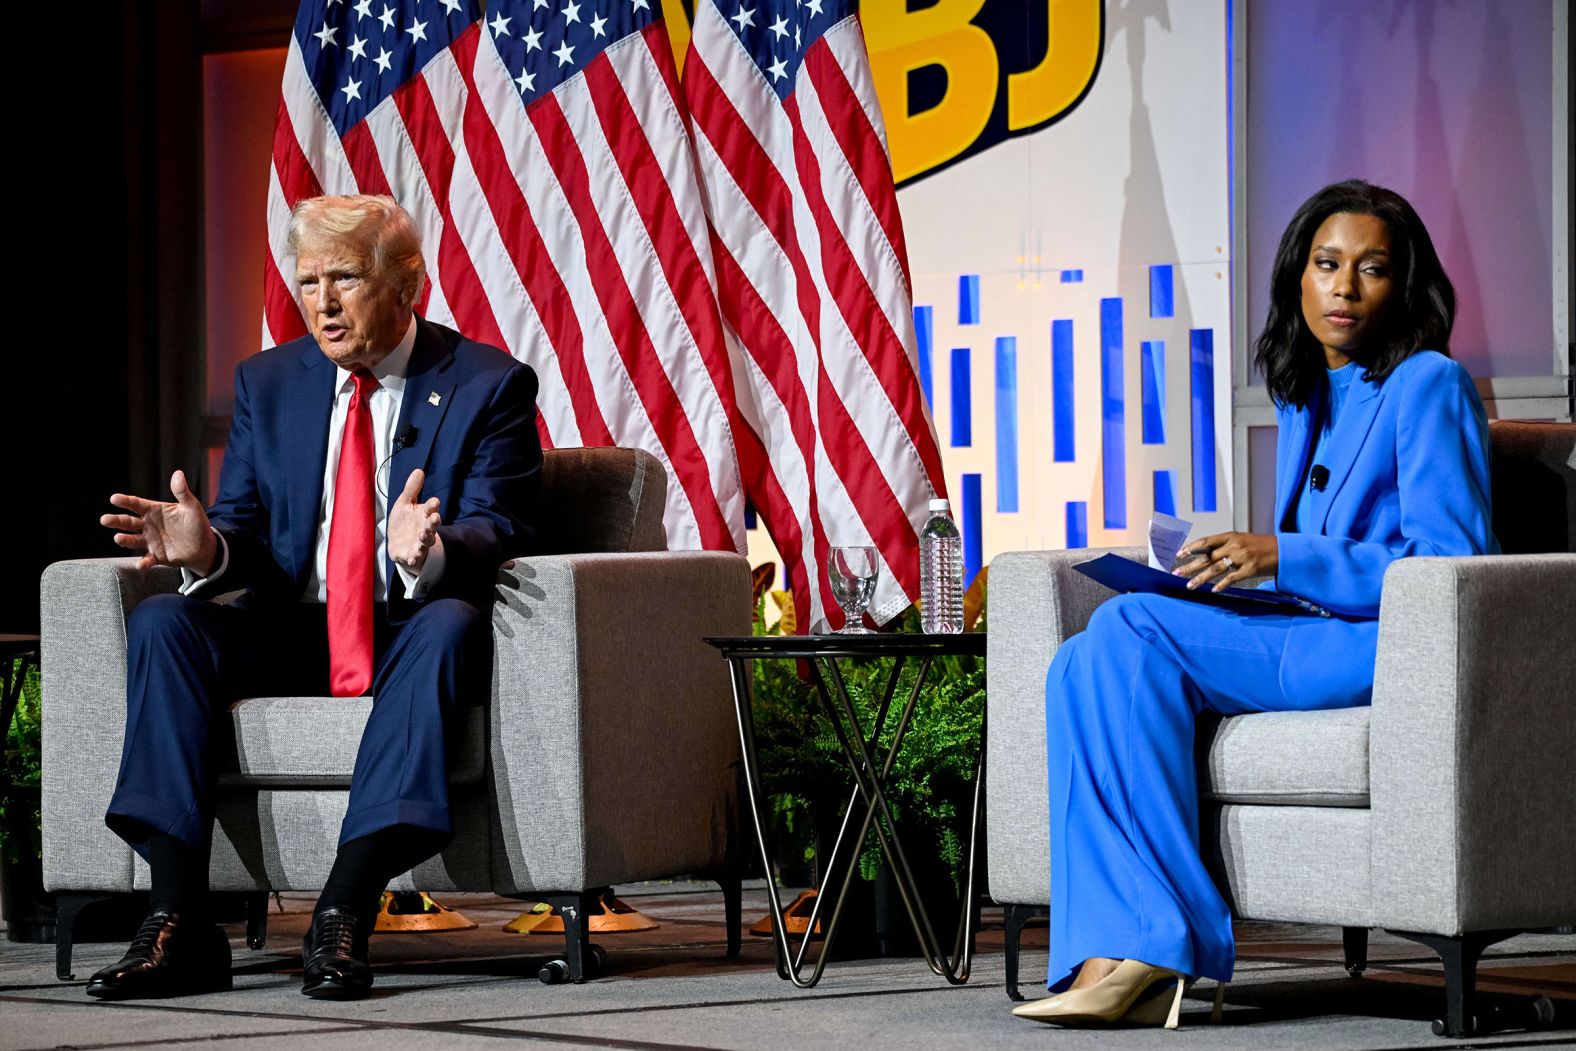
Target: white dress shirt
pixel 384 405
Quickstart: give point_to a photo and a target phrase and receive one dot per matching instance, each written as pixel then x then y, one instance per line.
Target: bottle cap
pixel 940 505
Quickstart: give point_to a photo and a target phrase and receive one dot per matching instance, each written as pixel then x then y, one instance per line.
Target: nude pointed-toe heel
pixel 1108 1000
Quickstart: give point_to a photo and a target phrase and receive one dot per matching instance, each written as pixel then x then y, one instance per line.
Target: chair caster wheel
pixel 553 972
pixel 596 966
pixel 1441 1028
pixel 1355 971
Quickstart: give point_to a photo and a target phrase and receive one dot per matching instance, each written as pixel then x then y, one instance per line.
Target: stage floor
pixel 672 989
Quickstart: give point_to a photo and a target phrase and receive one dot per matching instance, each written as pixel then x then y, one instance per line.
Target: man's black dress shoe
pixel 169 957
pixel 334 956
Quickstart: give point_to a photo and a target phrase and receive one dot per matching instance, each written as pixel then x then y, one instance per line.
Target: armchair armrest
pixel 83 656
pixel 1037 600
pixel 1471 744
pixel 613 746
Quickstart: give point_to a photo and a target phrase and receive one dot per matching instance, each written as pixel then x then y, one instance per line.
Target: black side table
pixel 823 652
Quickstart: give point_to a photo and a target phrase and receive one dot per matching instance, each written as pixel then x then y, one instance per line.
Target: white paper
pixel 1166 537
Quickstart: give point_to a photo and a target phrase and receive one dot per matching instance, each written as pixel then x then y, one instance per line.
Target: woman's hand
pixel 1225 558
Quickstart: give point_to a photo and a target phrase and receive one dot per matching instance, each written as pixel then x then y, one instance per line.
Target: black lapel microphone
pixel 406 438
pixel 1318 478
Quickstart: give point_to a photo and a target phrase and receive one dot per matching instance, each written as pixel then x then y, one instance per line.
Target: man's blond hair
pixel 377 222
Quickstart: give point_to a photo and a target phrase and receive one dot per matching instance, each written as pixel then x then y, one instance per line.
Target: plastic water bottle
pixel 941 572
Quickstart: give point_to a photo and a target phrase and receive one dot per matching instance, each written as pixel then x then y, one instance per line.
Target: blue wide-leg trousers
pixel 1121 700
pixel 188 660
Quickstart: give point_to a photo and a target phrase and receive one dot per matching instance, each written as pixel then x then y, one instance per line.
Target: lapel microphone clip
pixel 1318 478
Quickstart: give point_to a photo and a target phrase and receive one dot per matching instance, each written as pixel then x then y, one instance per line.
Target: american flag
pixel 814 287
pixel 543 152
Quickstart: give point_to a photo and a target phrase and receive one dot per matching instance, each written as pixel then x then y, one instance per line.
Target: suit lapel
pixel 427 395
pixel 306 438
pixel 1297 440
pixel 1346 441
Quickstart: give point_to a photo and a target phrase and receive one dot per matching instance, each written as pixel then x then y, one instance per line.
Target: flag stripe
pixel 629 334
pixel 456 274
pixel 282 312
pixel 321 153
pixel 541 281
pixel 362 153
pixel 526 161
pixel 773 354
pixel 691 288
pixel 866 155
pixel 861 311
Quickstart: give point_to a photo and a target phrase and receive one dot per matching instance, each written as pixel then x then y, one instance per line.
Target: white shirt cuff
pixel 191 581
pixel 418 584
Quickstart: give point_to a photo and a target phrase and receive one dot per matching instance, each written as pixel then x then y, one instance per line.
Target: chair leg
pixel 256 919
pixel 1459 954
pixel 732 908
pixel 581 959
pixel 1013 917
pixel 1354 941
pixel 67 907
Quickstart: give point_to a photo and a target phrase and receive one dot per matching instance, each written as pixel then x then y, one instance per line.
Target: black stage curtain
pixel 107 305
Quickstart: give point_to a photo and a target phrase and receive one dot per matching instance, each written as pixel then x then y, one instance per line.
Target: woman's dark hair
pixel 1421 311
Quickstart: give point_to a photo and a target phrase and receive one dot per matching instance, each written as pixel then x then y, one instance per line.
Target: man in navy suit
pixel 378 471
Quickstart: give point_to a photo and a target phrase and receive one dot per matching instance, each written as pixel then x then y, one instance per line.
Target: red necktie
pixel 350 543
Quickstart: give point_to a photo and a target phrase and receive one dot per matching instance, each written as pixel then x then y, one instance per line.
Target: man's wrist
pixel 209 555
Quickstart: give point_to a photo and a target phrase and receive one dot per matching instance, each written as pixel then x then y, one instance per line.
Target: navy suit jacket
pixel 1409 475
pixel 468 417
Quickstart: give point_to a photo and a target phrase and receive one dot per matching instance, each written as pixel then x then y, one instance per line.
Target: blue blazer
pixel 1409 475
pixel 468 418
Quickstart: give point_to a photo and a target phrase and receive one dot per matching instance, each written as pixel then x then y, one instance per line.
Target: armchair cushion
pixel 312 742
pixel 1287 758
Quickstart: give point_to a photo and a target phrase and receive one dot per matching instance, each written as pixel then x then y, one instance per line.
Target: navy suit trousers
pixel 188 660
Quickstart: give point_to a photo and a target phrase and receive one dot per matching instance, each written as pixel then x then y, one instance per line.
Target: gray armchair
pixel 1442 813
pixel 607 752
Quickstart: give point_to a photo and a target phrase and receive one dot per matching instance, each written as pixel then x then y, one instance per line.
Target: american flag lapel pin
pixel 434 398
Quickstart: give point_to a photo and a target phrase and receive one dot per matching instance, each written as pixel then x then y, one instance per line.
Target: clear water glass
pixel 852 574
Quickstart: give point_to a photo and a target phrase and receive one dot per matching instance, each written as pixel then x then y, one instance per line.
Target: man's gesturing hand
pixel 413 526
pixel 168 534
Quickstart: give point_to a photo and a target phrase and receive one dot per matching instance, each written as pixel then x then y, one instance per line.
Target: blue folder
pixel 1123 574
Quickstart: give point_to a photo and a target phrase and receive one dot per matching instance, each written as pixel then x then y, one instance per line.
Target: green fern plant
pixel 931 785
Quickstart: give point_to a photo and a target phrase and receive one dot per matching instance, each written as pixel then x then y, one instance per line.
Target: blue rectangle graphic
pixel 924 345
pixel 1072 277
pixel 1201 357
pixel 1161 292
pixel 1006 424
pixel 973 540
pixel 1062 431
pixel 1153 374
pixel 962 423
pixel 1166 492
pixel 1113 432
pixel 969 299
pixel 749 515
pixel 1077 523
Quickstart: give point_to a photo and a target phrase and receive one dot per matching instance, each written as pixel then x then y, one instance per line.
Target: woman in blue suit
pixel 1383 453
